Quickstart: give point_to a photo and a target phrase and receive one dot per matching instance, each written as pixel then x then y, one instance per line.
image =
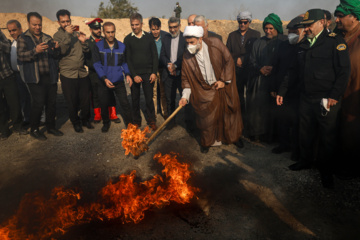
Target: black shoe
pixel 21 131
pixel 78 128
pixel 116 120
pixel 239 144
pixel 38 135
pixel 170 125
pixel 280 149
pixel 105 127
pixel 88 125
pixel 5 135
pixel 204 149
pixel 41 124
pixel 299 166
pixel 55 132
pixel 327 180
pixel 295 157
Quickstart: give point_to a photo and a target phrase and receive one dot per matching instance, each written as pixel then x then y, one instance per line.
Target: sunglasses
pixel 243 22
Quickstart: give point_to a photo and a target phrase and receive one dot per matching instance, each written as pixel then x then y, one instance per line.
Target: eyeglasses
pixel 243 22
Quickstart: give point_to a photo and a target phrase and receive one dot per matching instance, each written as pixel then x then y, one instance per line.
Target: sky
pixel 212 9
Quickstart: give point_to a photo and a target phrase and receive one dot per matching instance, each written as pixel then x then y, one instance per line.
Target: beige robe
pixel 218 114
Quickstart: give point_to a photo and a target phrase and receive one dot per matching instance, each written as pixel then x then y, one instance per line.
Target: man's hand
pixel 129 80
pixel 109 84
pixel 41 47
pixel 219 84
pixel 138 79
pixel 152 77
pixel 266 70
pixel 279 100
pixel 56 44
pixel 82 37
pixel 183 102
pixel 331 102
pixel 69 29
pixel 171 68
pixel 273 94
pixel 239 62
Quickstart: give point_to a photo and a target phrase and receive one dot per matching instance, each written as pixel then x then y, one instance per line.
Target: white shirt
pixel 13 56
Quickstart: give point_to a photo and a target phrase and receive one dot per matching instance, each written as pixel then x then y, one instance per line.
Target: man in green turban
pixel 347 22
pixel 260 100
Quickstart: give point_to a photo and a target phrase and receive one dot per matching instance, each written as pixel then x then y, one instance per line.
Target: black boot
pixel 105 127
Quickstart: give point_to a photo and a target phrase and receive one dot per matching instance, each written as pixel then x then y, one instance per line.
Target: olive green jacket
pixel 72 58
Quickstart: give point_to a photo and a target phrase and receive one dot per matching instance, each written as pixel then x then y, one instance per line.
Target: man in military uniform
pixel 95 29
pixel 324 73
pixel 177 10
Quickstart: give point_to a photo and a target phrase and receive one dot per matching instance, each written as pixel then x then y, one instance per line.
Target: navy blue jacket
pixel 110 64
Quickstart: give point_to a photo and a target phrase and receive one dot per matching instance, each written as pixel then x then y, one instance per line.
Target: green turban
pixel 274 20
pixel 349 7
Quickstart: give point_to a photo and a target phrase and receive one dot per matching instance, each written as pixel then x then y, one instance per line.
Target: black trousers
pixel 24 97
pixel 241 80
pixel 95 82
pixel 107 94
pixel 313 124
pixel 288 125
pixel 9 100
pixel 171 84
pixel 77 94
pixel 43 95
pixel 135 97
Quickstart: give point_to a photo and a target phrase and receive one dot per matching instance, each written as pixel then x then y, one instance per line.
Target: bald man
pixel 191 20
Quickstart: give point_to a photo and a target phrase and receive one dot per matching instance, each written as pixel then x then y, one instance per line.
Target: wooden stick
pixel 163 125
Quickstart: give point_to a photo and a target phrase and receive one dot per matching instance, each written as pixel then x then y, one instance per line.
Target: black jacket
pixel 324 67
pixel 239 50
pixel 166 51
pixel 286 71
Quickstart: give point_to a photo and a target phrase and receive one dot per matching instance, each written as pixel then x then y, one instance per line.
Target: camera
pixel 51 44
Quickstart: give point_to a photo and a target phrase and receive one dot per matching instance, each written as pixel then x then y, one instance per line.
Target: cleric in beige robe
pixel 209 83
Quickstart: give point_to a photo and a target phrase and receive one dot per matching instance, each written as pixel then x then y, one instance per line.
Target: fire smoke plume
pixel 40 217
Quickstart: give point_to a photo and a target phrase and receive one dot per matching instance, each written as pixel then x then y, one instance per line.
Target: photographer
pixel 36 53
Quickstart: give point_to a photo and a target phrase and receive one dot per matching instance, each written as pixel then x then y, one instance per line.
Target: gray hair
pixel 174 20
pixel 201 18
pixel 17 23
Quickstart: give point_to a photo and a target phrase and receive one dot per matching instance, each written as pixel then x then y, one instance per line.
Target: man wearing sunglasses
pixel 240 43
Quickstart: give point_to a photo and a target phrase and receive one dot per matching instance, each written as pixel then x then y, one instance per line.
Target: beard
pixel 175 35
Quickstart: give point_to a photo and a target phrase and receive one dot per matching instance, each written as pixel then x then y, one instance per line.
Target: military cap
pixel 95 23
pixel 295 23
pixel 313 15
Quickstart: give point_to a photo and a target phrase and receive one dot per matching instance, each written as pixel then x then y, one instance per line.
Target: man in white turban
pixel 209 83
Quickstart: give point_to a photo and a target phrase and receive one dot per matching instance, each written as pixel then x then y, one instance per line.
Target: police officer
pixel 324 73
pixel 95 29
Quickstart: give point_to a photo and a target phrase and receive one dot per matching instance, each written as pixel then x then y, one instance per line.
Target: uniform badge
pixel 341 47
pixel 332 34
pixel 306 17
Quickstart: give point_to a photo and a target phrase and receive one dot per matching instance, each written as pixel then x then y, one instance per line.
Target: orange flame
pixel 134 140
pixel 39 217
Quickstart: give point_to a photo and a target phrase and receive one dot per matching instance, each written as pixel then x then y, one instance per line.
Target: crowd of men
pixel 302 90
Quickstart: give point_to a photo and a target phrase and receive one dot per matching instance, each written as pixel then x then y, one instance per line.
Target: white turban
pixel 246 15
pixel 194 31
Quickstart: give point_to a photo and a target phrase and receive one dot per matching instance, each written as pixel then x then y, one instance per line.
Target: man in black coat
pixel 240 43
pixel 324 74
pixel 171 56
pixel 286 85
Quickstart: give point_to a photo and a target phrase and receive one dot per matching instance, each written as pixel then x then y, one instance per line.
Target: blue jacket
pixel 110 64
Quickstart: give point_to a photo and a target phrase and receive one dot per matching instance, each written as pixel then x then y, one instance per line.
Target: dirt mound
pixel 222 27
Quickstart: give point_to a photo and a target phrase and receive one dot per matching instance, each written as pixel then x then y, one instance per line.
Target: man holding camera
pixel 74 78
pixel 36 53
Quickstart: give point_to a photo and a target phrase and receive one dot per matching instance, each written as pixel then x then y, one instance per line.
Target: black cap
pixel 313 15
pixel 95 23
pixel 295 23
